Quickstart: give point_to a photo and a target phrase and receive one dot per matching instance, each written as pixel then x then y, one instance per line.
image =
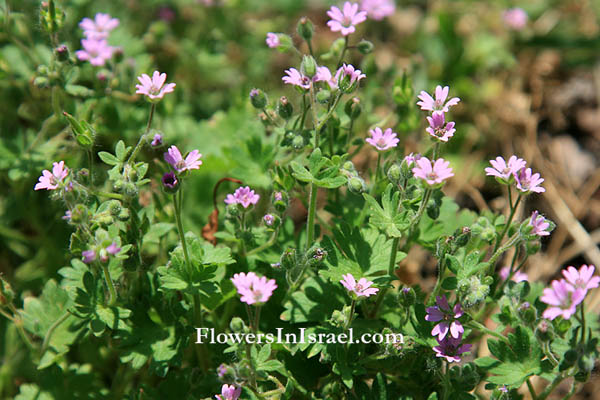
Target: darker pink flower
pixel 433 174
pixel 362 288
pixel 344 20
pixel 229 392
pixel 540 224
pixel 272 40
pixel 174 158
pixel 438 128
pixel 382 140
pixel 448 317
pixel 52 180
pixel 243 196
pixel 528 182
pixel 154 88
pixel 427 102
pixel 451 349
pixel 503 170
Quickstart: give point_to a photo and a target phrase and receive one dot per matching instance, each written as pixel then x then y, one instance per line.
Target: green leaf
pixel 449 283
pixel 271 365
pixel 314 301
pixel 121 151
pixel 264 354
pixel 301 173
pixel 108 158
pixel 387 218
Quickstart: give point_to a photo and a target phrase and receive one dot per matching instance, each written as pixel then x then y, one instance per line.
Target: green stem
pixel 391 269
pixel 256 319
pixel 350 315
pixel 513 240
pixel 583 328
pixel 476 325
pixel 377 170
pixel 140 142
pixel 310 222
pixel 551 387
pixel 177 205
pixel 265 245
pixel 513 209
pixel 339 63
pixel 548 352
pixel 51 330
pixel 108 195
pixel 531 390
pixel 91 162
pixel 111 287
pixel 438 283
pixel 18 321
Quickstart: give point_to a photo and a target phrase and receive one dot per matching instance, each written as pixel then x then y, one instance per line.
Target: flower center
pixel 358 288
pixel 381 143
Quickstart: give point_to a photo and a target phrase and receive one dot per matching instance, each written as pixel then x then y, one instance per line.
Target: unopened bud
pixel 305 29
pixel 258 98
pixel 61 52
pixel 357 185
pixel 544 331
pixel 284 108
pixel 352 108
pixel 365 47
pixel 237 324
pixel 170 183
pixel 394 173
pixel 308 66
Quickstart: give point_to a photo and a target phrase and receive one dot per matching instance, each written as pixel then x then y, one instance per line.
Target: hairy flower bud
pixel 407 297
pixel 352 108
pixel 394 173
pixel 357 185
pixel 170 183
pixel 288 258
pixel 298 142
pixel 308 66
pixel 6 293
pixel 284 108
pixel 61 52
pixel 527 313
pixel 258 98
pixel 305 29
pixel 365 47
pixel 544 331
pixel 237 324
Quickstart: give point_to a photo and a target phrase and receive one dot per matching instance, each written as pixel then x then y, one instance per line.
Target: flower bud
pixel 305 29
pixel 288 258
pixel 348 166
pixel 357 185
pixel 323 96
pixel 533 247
pixel 298 142
pixel 284 108
pixel 170 183
pixel 463 237
pixel 233 210
pixel 272 221
pixel 61 52
pixel 586 363
pixel 544 331
pixel 79 214
pixel 394 173
pixel 280 201
pixel 569 359
pixel 316 255
pixel 365 47
pixel 6 293
pixel 407 297
pixel 338 318
pixel 308 66
pixel 527 313
pixel 473 291
pixel 352 108
pixel 237 324
pixel 258 98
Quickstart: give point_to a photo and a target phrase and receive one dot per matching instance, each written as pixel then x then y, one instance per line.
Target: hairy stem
pixel 140 142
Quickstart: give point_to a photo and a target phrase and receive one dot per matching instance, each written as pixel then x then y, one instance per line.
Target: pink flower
pixel 432 174
pixel 157 140
pixel 378 9
pixel 411 158
pixel 296 78
pixel 229 392
pixel 97 52
pixel 562 298
pixel 269 219
pixel 324 75
pixel 88 256
pixel 539 223
pixel 344 20
pixel 252 288
pixel 382 140
pixel 100 27
pixel 427 102
pixel 517 276
pixel 112 249
pixel 174 158
pixel 272 40
pixel 153 87
pixel 451 349
pixel 515 18
pixel 503 170
pixel 582 279
pixel 449 318
pixel 362 288
pixel 243 196
pixel 438 128
pixel 221 370
pixel 528 182
pixel 347 76
pixel 51 180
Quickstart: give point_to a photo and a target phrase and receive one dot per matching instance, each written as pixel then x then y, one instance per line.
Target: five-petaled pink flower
pixel 378 9
pixel 97 52
pixel 449 317
pixel 99 27
pixel 244 196
pixel 515 18
pixel 583 279
pixel 517 276
pixel 451 349
pixel 344 20
pixel 528 182
pixel 154 87
pixel 562 298
pixel 252 288
pixel 427 102
pixel 362 288
pixel 438 128
pixel 229 392
pixel 505 171
pixel 539 224
pixel 432 174
pixel 382 140
pixel 51 180
pixel 296 78
pixel 174 158
pixel 346 76
pixel 272 40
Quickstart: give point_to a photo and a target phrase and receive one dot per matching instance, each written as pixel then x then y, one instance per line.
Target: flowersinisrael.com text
pixel 208 335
